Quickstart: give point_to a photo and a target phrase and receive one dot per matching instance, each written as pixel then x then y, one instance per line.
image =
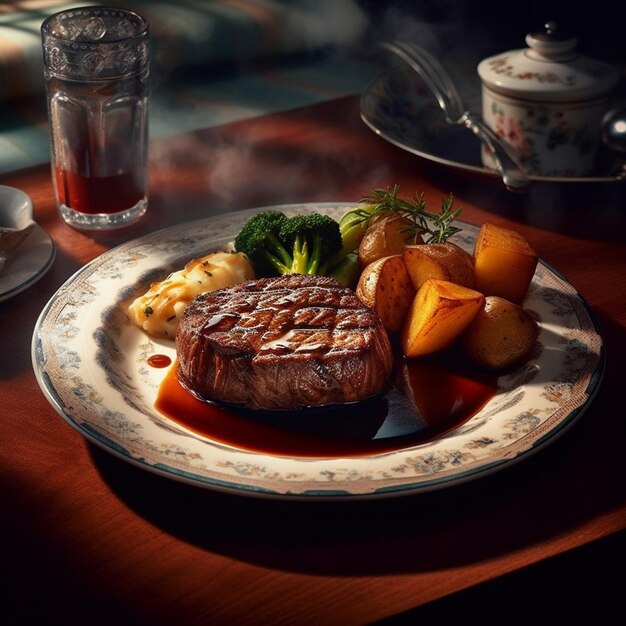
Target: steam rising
pixel 338 28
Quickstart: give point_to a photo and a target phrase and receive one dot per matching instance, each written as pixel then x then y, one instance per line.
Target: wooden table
pixel 87 538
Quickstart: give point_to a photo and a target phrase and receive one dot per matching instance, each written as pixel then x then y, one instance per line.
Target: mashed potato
pixel 158 311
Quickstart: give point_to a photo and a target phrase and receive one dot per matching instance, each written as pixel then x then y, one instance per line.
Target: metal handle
pixel 512 176
pixel 449 99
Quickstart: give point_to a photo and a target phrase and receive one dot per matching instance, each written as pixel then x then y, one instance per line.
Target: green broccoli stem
pixel 307 258
pixel 276 263
pixel 316 255
pixel 280 258
pixel 300 254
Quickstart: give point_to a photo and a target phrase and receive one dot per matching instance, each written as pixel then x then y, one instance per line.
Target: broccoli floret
pixel 313 239
pixel 259 240
pixel 277 244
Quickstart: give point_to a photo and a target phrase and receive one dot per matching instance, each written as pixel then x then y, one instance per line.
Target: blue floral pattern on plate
pixel 90 362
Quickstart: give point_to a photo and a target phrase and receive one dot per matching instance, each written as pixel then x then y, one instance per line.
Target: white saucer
pixel 27 264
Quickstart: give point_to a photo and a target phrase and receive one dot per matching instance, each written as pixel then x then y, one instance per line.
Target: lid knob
pixel 551 44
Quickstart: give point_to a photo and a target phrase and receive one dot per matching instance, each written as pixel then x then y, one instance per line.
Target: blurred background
pixel 217 61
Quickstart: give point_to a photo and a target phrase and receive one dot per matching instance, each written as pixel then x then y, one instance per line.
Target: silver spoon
pixel 449 99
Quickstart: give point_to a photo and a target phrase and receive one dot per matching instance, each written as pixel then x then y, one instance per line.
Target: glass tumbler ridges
pixel 96 72
pixel 95 43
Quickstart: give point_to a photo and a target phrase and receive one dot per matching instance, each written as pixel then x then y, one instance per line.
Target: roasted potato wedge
pixel 385 286
pixel 386 236
pixel 443 261
pixel 501 335
pixel 438 315
pixel 504 263
pixel 422 266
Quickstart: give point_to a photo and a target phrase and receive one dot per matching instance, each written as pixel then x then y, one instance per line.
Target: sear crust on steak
pixel 283 343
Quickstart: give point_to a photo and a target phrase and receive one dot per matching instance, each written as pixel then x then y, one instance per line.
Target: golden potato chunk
pixel 443 261
pixel 385 286
pixel 438 315
pixel 504 263
pixel 385 236
pixel 501 335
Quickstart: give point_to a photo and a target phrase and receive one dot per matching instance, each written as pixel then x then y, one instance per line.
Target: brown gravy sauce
pixel 429 396
pixel 159 360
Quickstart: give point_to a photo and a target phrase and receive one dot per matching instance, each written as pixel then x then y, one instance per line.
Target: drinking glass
pixel 96 70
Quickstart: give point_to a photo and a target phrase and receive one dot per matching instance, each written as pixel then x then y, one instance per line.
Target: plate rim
pixel 413 487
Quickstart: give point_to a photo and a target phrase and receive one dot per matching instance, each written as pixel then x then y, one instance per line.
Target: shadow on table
pixel 566 586
pixel 557 488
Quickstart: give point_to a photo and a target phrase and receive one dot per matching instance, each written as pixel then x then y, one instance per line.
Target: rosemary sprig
pixel 437 226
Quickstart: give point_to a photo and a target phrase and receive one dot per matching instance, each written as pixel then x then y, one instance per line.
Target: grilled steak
pixel 283 343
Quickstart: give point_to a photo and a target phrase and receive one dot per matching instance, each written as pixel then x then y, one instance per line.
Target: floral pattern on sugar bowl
pixel 503 66
pixel 547 101
pixel 551 140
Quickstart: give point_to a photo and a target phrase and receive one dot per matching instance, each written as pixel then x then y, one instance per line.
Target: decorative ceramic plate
pixel 91 364
pixel 27 264
pixel 398 107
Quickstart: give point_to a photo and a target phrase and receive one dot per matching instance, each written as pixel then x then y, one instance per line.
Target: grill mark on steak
pixel 283 343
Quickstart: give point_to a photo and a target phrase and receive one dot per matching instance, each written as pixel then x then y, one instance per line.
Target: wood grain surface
pixel 87 538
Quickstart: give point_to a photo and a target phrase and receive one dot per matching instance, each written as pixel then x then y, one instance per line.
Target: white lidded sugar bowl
pixel 547 101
